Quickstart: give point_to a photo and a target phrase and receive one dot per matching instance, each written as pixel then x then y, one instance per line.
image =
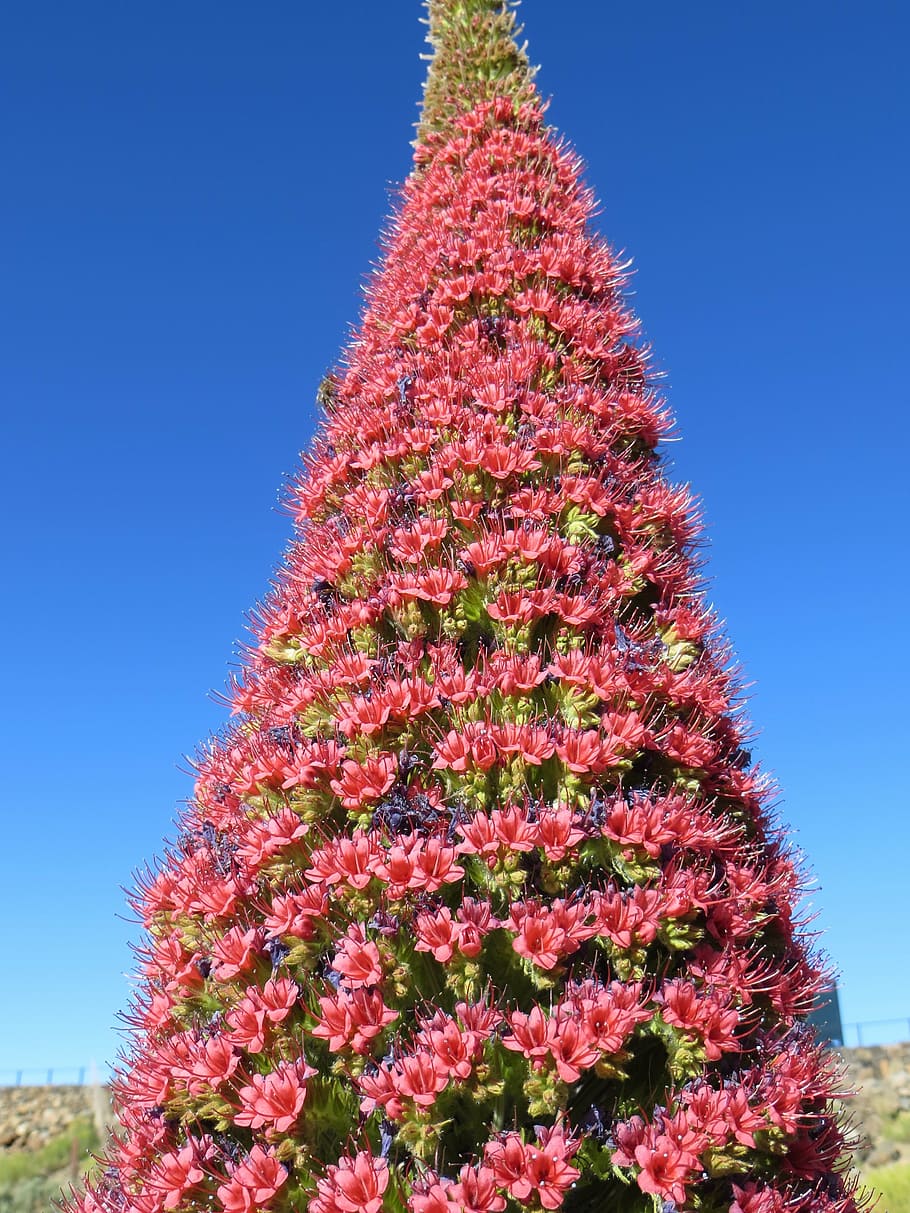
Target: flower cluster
pixel 480 901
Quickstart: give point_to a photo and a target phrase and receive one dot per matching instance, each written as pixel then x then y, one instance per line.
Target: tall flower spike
pixel 475 58
pixel 480 900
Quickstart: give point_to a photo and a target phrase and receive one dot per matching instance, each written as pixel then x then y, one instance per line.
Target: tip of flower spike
pixel 476 58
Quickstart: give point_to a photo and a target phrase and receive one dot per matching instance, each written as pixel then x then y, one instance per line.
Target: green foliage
pixel 21 1168
pixel 34 1195
pixel 898 1128
pixel 892 1186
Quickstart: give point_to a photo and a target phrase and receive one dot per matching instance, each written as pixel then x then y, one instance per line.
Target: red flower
pixel 609 1014
pixel 355 1185
pixel 253 1183
pixel 587 752
pixel 532 744
pixel 334 1020
pixel 247 1022
pixel 349 860
pixel 557 833
pixel 740 1118
pixel 294 913
pixel 432 1196
pixel 270 836
pixel 365 781
pixel 571 1048
pixel 479 1018
pixel 513 829
pixel 549 1170
pixel 530 1034
pixel 274 1099
pixel 489 640
pixel 213 1063
pixel 436 585
pixel 452 1049
pixel 434 866
pixel 665 1168
pixel 479 836
pixel 354 1019
pixel 471 746
pixel 236 952
pixel 396 867
pixel 176 1172
pixel 475 920
pixel 379 1089
pixel 476 1191
pixel 538 938
pixel 420 1077
pixel 438 934
pixel 358 960
pixel 507 1159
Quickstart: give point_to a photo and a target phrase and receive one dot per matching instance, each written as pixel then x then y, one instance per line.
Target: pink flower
pixel 236 952
pixel 530 1034
pixel 539 940
pixel 253 1183
pixel 571 1049
pixel 353 1019
pixel 432 1196
pixel 380 1090
pixel 176 1172
pixel 549 1170
pixel 212 1064
pixel 355 1185
pixel 351 861
pixel 274 1099
pixel 507 1158
pixel 279 997
pixel 587 751
pixel 247 1022
pixel 437 934
pixel 482 679
pixel 420 1077
pixel 434 866
pixel 333 1023
pixel 557 833
pixel 358 960
pixel 293 914
pixel 476 1191
pixel 513 829
pixel 665 1168
pixel 453 1051
pixel 434 585
pixel 366 781
pixel 475 920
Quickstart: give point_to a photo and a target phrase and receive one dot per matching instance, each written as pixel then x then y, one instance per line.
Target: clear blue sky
pixel 191 196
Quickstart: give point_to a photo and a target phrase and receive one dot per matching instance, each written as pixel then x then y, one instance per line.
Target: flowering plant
pixel 479 904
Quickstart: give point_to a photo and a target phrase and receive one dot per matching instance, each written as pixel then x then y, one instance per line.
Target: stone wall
pixel 880 1074
pixel 32 1116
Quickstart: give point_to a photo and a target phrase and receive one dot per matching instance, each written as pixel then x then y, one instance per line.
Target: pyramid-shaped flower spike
pixel 479 904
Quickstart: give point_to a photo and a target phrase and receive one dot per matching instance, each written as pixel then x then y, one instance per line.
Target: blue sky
pixel 191 197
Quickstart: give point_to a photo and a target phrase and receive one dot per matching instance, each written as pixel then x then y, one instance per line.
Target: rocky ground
pixel 30 1117
pixel 880 1075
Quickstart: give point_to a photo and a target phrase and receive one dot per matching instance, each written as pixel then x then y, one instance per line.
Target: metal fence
pixel 877 1032
pixel 52 1076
